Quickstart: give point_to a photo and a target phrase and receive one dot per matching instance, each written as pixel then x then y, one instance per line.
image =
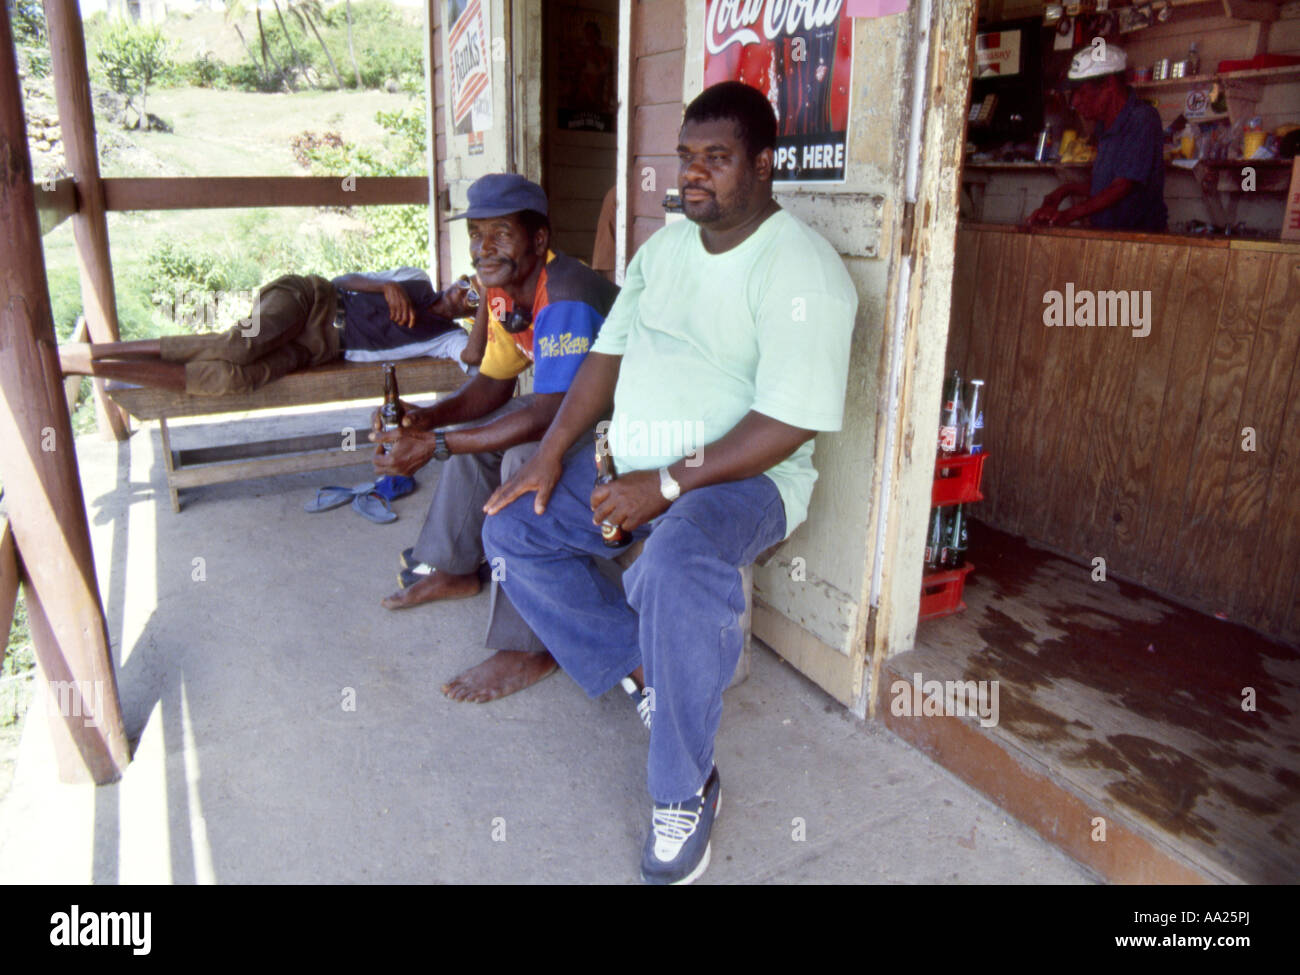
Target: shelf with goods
pixel 1242 91
pixel 956 486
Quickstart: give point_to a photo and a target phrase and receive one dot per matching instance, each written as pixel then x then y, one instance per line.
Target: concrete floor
pixel 248 768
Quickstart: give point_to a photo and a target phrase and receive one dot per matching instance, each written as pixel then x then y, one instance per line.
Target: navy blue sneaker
pixel 677 849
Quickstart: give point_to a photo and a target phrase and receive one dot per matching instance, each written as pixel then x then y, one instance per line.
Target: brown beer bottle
pixel 391 413
pixel 613 535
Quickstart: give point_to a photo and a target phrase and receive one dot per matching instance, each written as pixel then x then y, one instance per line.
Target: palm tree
pixel 303 11
pixel 233 10
pixel 302 66
pixel 237 9
pixel 351 51
pixel 286 76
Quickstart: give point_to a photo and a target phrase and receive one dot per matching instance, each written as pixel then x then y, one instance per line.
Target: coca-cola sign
pixel 740 21
pixel 799 54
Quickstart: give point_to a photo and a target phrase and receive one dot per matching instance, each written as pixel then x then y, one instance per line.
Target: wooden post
pixel 8 583
pixel 89 225
pixel 39 467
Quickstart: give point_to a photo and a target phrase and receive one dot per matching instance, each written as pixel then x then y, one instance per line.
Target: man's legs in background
pixel 451 539
pixel 290 326
pixel 521 659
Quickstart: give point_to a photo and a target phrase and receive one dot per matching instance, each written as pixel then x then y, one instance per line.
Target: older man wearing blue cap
pixel 544 310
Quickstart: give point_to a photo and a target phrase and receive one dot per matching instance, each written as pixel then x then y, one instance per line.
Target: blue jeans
pixel 681 614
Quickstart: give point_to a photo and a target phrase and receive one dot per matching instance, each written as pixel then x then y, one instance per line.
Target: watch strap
pixel 440 449
pixel 668 485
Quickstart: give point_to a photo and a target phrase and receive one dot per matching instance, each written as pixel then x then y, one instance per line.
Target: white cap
pixel 1097 61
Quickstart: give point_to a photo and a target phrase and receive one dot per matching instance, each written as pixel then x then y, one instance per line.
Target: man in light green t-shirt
pixel 724 355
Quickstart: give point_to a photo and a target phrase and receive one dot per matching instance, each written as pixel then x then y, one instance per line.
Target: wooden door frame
pixel 916 337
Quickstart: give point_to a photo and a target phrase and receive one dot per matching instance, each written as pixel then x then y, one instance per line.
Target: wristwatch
pixel 440 451
pixel 668 486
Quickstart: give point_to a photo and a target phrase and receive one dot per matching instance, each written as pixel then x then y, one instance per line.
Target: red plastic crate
pixel 957 479
pixel 941 591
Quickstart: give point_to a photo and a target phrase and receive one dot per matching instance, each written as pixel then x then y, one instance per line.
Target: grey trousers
pixel 452 536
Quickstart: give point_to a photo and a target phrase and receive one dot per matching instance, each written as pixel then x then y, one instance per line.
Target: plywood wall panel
pixel 963 299
pixel 1131 448
pixel 1062 494
pixel 1004 330
pixel 1263 410
pixel 1024 306
pixel 1180 415
pixel 1115 350
pixel 1208 510
pixel 1166 275
pixel 1275 570
pixel 1057 369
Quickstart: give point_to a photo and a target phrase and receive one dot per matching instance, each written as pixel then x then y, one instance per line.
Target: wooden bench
pixel 330 383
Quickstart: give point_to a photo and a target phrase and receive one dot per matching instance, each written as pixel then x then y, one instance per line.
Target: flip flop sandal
pixel 409 577
pixel 328 498
pixel 394 486
pixel 373 506
pixel 408 559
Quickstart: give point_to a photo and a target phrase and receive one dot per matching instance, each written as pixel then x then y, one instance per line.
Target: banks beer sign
pixel 469 74
pixel 799 54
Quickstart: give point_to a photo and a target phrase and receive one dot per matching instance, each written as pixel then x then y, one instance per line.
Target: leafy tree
pixel 351 50
pixel 305 11
pixel 268 81
pixel 302 66
pixel 132 57
pixel 28 20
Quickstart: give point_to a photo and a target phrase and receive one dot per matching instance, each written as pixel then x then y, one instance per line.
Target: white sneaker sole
pixel 699 869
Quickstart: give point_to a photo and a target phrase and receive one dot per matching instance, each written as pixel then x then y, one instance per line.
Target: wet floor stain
pixel 1195 717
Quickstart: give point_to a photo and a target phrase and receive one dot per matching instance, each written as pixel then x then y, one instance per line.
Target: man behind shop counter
pixel 1127 188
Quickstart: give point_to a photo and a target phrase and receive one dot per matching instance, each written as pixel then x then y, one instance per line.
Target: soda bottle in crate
pixel 975 419
pixel 950 418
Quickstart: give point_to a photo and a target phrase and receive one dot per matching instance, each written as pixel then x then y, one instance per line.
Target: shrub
pixel 305 143
pixel 38 62
pixel 381 65
pixel 204 71
pixel 399 235
pixel 247 76
pixel 132 58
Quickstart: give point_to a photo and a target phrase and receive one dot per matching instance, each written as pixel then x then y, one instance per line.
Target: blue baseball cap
pixel 498 194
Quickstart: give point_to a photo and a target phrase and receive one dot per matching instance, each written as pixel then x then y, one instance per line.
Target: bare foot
pixel 436 585
pixel 505 672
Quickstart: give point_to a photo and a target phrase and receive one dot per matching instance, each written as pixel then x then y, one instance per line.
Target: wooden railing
pixel 58 201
